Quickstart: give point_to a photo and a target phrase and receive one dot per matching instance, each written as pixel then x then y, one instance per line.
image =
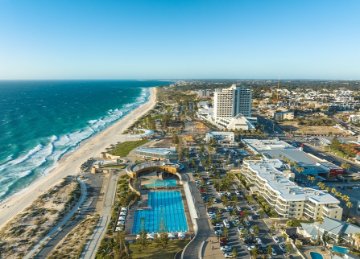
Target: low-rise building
pixel 239 122
pixel 334 229
pixel 220 137
pixel 287 198
pixel 278 149
pixel 354 118
pixel 283 115
pixel 158 153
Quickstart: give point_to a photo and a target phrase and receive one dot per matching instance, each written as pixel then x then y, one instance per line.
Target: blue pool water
pixel 315 255
pixel 340 250
pixel 161 183
pixel 166 213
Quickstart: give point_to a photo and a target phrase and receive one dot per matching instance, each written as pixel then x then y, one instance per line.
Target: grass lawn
pixel 124 148
pixel 156 251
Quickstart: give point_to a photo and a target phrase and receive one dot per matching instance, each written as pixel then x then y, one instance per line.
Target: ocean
pixel 40 121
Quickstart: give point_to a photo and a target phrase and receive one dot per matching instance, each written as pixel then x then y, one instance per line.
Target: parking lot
pixel 238 225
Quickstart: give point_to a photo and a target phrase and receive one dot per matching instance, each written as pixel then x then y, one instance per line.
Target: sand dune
pixel 70 164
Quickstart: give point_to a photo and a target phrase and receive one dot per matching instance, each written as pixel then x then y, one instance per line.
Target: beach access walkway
pixel 105 215
pixel 62 222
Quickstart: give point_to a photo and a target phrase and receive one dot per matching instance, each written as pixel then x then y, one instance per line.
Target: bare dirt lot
pixel 294 127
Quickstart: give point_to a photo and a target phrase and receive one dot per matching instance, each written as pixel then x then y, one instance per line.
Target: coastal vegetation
pixel 73 244
pixel 124 148
pixel 113 244
pixel 27 228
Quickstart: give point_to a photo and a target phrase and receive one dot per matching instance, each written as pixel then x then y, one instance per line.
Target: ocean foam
pixel 43 158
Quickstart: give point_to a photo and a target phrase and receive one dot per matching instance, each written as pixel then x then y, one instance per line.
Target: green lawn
pixel 124 148
pixel 155 251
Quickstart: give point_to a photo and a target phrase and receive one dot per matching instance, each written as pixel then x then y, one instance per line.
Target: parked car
pixel 276 239
pixel 282 247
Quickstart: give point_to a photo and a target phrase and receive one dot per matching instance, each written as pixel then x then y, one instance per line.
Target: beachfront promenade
pixel 100 229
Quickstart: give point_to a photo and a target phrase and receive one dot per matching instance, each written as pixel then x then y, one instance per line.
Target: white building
pixel 287 198
pixel 239 122
pixel 354 118
pixel 229 102
pixel 220 137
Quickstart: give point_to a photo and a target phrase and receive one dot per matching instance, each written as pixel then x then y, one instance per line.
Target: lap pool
pixel 161 183
pixel 166 213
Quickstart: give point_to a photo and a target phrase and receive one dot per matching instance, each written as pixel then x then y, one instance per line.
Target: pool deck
pixel 143 204
pixel 307 250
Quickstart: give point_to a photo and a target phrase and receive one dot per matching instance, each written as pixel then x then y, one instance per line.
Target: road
pixel 93 183
pixel 204 230
pixel 270 127
pixel 331 158
pixel 105 215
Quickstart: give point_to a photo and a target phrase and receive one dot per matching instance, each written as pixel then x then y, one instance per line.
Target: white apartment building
pixel 229 102
pixel 287 198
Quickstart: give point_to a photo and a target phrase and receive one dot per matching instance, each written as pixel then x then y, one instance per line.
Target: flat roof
pixel 157 151
pixel 278 149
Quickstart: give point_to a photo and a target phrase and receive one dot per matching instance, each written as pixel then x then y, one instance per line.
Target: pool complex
pixel 161 183
pixel 340 250
pixel 315 255
pixel 166 212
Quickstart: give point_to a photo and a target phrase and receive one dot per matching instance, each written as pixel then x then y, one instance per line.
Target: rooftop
pixel 278 149
pixel 158 151
pixel 269 171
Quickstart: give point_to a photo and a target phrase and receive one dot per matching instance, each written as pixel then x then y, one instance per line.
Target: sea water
pixel 40 121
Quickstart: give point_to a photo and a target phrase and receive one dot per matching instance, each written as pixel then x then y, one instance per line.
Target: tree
pixel 226 232
pixel 345 166
pixel 269 251
pixel 164 239
pixel 254 252
pixel 143 240
pixel 256 230
pixel 349 205
pixel 288 247
pixel 175 139
pixel 235 252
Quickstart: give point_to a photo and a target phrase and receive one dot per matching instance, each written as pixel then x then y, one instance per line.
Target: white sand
pixel 70 164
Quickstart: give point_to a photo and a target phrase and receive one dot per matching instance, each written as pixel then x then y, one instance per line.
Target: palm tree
pixel 345 166
pixel 254 253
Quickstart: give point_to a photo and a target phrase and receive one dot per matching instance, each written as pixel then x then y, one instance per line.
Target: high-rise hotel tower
pixel 229 102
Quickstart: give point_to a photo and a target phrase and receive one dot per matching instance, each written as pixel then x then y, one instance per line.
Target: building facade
pixel 283 115
pixel 287 198
pixel 232 101
pixel 220 136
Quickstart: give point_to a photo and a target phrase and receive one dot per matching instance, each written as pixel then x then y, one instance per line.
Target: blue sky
pixel 171 39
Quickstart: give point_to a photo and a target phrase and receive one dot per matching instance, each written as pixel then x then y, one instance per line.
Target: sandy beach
pixel 70 164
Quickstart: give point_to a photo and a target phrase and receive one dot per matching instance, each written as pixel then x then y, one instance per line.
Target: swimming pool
pixel 315 255
pixel 161 183
pixel 166 213
pixel 340 250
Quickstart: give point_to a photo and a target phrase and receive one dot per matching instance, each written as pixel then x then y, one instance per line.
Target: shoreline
pixel 70 163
